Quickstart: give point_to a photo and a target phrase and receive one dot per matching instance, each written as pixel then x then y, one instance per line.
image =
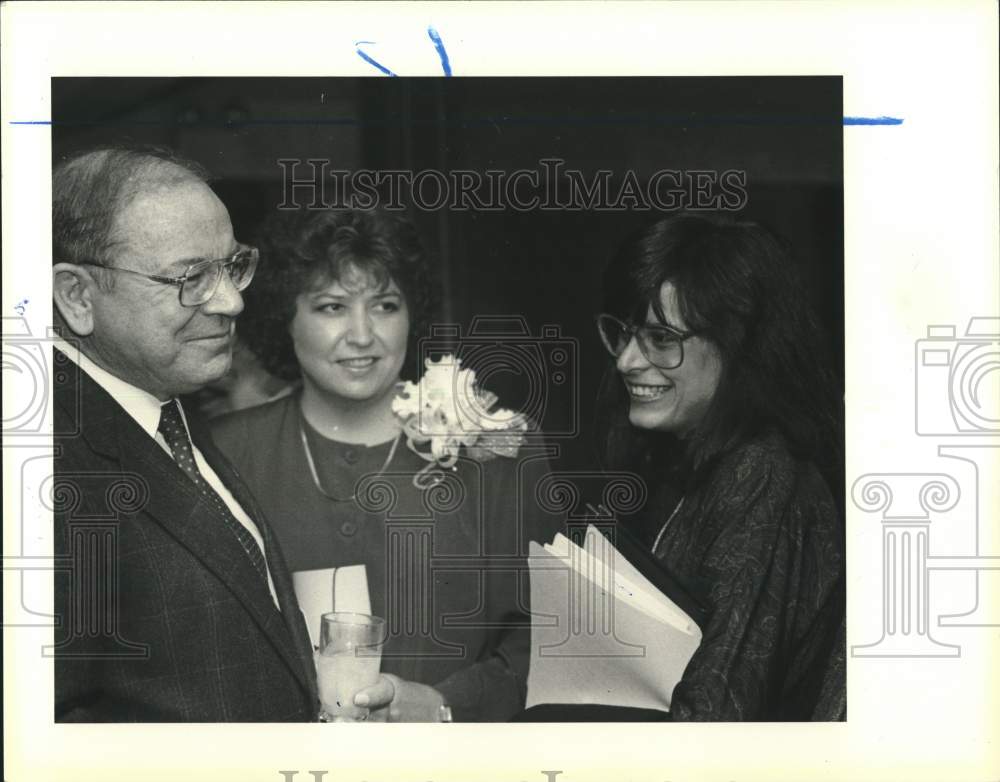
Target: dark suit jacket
pixel 160 614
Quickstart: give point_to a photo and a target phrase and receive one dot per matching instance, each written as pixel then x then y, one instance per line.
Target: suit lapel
pixel 280 575
pixel 174 502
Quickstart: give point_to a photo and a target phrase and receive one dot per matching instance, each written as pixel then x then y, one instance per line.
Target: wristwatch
pixel 444 713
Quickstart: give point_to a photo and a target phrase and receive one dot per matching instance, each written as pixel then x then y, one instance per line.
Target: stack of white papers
pixel 601 633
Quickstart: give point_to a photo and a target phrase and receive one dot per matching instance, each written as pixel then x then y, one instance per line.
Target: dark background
pixel 545 266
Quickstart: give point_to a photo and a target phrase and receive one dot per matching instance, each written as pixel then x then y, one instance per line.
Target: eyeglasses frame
pixel 190 271
pixel 632 331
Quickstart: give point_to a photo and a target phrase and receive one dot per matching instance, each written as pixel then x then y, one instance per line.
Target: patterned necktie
pixel 174 432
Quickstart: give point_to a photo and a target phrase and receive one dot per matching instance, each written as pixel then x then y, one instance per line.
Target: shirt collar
pixel 141 405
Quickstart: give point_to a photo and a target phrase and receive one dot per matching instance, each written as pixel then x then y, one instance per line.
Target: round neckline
pixel 331 442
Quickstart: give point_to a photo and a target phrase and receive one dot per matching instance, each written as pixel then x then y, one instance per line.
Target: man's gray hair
pixel 90 189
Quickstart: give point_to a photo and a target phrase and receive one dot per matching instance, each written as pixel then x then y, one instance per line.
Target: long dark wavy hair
pixel 304 249
pixel 737 287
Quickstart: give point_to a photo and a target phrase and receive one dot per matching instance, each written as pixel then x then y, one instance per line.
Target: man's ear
pixel 73 291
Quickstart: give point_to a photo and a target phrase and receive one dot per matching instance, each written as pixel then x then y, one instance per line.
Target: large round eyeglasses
pixel 201 280
pixel 662 346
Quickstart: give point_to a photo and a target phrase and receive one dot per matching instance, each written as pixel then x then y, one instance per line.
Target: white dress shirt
pixel 145 409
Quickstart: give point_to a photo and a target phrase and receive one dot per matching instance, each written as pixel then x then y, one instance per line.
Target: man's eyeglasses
pixel 662 346
pixel 201 280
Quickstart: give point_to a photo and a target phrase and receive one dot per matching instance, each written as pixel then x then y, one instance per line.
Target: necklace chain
pixel 315 475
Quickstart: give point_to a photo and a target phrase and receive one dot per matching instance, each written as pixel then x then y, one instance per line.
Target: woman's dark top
pixel 445 565
pixel 761 544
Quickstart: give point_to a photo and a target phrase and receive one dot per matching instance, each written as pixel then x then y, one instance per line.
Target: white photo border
pixel 921 250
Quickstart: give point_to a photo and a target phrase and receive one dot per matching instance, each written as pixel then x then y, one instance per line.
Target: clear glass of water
pixel 350 653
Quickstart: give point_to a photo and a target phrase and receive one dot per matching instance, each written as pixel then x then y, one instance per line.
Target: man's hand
pixel 392 699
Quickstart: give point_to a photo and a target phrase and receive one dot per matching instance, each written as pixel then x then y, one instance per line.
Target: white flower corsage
pixel 447 411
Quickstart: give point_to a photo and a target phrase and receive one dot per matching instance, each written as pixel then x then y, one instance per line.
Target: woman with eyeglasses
pixel 719 398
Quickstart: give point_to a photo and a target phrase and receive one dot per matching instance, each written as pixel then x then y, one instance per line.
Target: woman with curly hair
pixel 340 300
pixel 720 399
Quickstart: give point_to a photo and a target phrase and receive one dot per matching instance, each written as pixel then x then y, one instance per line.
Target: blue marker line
pixel 371 60
pixel 439 45
pixel 463 122
pixel 873 121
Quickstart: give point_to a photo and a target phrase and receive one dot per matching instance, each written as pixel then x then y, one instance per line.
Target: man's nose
pixel 226 300
pixel 632 357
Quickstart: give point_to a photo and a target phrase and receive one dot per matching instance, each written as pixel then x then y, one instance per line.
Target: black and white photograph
pixel 545 391
pixel 378 354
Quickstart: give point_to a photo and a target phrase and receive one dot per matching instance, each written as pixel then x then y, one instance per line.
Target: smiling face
pixel 141 332
pixel 670 400
pixel 350 338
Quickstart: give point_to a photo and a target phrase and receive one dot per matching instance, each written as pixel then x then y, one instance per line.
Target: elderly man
pixel 179 607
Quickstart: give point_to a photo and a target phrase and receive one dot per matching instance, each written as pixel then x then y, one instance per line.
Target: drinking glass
pixel 350 653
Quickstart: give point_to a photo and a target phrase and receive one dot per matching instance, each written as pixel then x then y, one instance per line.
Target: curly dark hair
pixel 304 249
pixel 736 285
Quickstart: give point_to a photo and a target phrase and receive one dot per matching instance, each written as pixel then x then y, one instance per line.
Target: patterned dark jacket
pixel 762 545
pixel 160 614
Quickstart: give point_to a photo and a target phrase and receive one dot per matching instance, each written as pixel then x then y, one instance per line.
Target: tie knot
pixel 170 414
pixel 172 426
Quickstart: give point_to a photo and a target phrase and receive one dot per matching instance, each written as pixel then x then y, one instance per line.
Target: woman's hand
pixel 392 699
pixel 377 697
